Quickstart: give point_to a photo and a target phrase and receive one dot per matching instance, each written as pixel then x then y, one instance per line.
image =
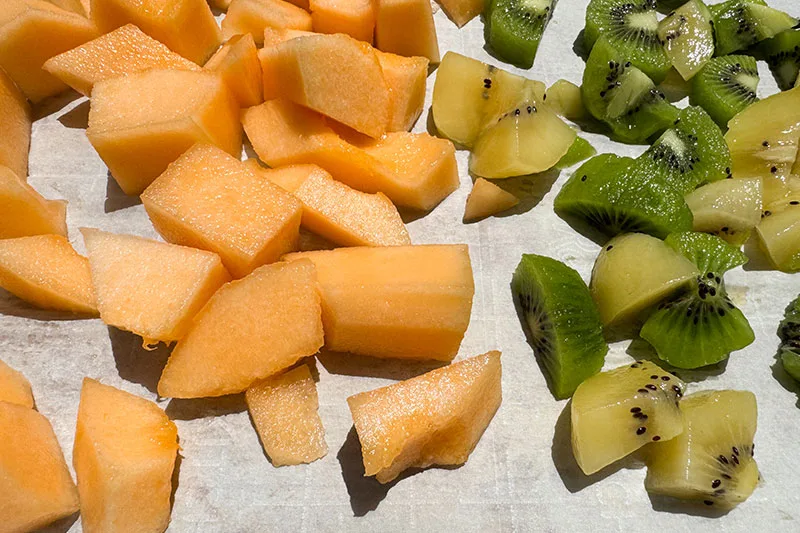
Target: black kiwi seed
pixel 641 430
pixel 716 483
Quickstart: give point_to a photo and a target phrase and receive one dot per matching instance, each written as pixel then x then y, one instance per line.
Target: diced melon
pixel 270 58
pixel 352 17
pixel 186 26
pixel 35 483
pixel 141 123
pixel 406 78
pixel 237 62
pixel 284 409
pixel 337 76
pixel 433 419
pixel 462 11
pixel 487 199
pixel 15 128
pixel 124 456
pixel 81 7
pixel 349 217
pixel 405 27
pixel 126 50
pixel 46 271
pixel 409 302
pixel 25 212
pixel 252 16
pixel 253 328
pixel 222 5
pixel 14 387
pixel 288 178
pixel 150 288
pixel 33 31
pixel 212 201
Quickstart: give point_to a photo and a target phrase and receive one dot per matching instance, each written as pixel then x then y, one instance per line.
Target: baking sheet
pixel 521 477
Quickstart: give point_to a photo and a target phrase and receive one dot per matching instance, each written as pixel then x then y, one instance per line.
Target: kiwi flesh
pixel 728 208
pixel 631 26
pixel 564 97
pixel 580 150
pixel 739 24
pixel 782 54
pixel 674 87
pixel 514 28
pixel 725 86
pixel 779 234
pixel 562 321
pixel 712 459
pixel 688 37
pixel 789 332
pixel 617 412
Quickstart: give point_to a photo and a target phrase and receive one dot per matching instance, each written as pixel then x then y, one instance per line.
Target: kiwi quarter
pixel 688 37
pixel 562 320
pixel 514 28
pixel 782 54
pixel 789 332
pixel 739 24
pixel 728 208
pixel 725 86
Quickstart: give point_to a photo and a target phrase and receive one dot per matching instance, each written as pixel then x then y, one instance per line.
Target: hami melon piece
pixel 288 178
pixel 25 211
pixel 15 128
pixel 270 58
pixel 252 16
pixel 81 7
pixel 237 62
pixel 14 387
pixel 406 78
pixel 487 199
pixel 354 18
pixel 406 28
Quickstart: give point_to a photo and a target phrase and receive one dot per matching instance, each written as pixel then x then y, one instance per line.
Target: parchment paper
pixel 521 477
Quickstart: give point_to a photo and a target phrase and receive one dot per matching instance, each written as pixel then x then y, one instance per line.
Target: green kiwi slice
pixel 739 24
pixel 562 320
pixel 725 86
pixel 688 37
pixel 782 54
pixel 514 28
pixel 632 28
pixel 789 332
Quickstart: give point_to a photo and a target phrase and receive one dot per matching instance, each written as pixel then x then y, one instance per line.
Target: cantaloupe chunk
pixel 251 329
pixel 269 58
pixel 252 16
pixel 126 50
pixel 352 17
pixel 284 409
pixel 487 199
pixel 462 11
pixel 237 62
pixel 35 483
pixel 141 123
pixel 288 178
pixel 46 271
pixel 81 7
pixel 212 201
pixel 15 128
pixel 33 31
pixel 433 419
pixel 406 78
pixel 337 76
pixel 186 26
pixel 14 387
pixel 150 288
pixel 410 302
pixel 406 28
pixel 124 455
pixel 25 212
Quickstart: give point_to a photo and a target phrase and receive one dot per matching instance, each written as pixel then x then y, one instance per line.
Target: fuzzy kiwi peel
pixel 789 333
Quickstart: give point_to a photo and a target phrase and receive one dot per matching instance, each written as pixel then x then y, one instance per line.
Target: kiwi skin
pixel 789 333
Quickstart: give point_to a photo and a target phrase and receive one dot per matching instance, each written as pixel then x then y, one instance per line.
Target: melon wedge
pixel 150 288
pixel 15 128
pixel 284 409
pixel 237 62
pixel 433 419
pixel 406 28
pixel 462 11
pixel 126 50
pixel 406 78
pixel 251 329
pixel 141 123
pixel 269 57
pixel 352 17
pixel 124 455
pixel 186 26
pixel 212 201
pixel 25 212
pixel 487 199
pixel 408 302
pixel 46 271
pixel 34 480
pixel 252 16
pixel 14 387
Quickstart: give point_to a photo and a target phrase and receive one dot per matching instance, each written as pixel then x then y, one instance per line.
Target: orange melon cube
pixel 33 31
pixel 285 409
pixel 352 17
pixel 212 201
pixel 81 7
pixel 150 288
pixel 15 128
pixel 253 16
pixel 462 11
pixel 337 76
pixel 408 302
pixel 186 26
pixel 270 58
pixel 126 50
pixel 487 199
pixel 141 123
pixel 406 78
pixel 46 271
pixel 433 419
pixel 237 62
pixel 25 212
pixel 288 178
pixel 253 328
pixel 124 455
pixel 405 27
pixel 14 387
pixel 349 217
pixel 35 483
